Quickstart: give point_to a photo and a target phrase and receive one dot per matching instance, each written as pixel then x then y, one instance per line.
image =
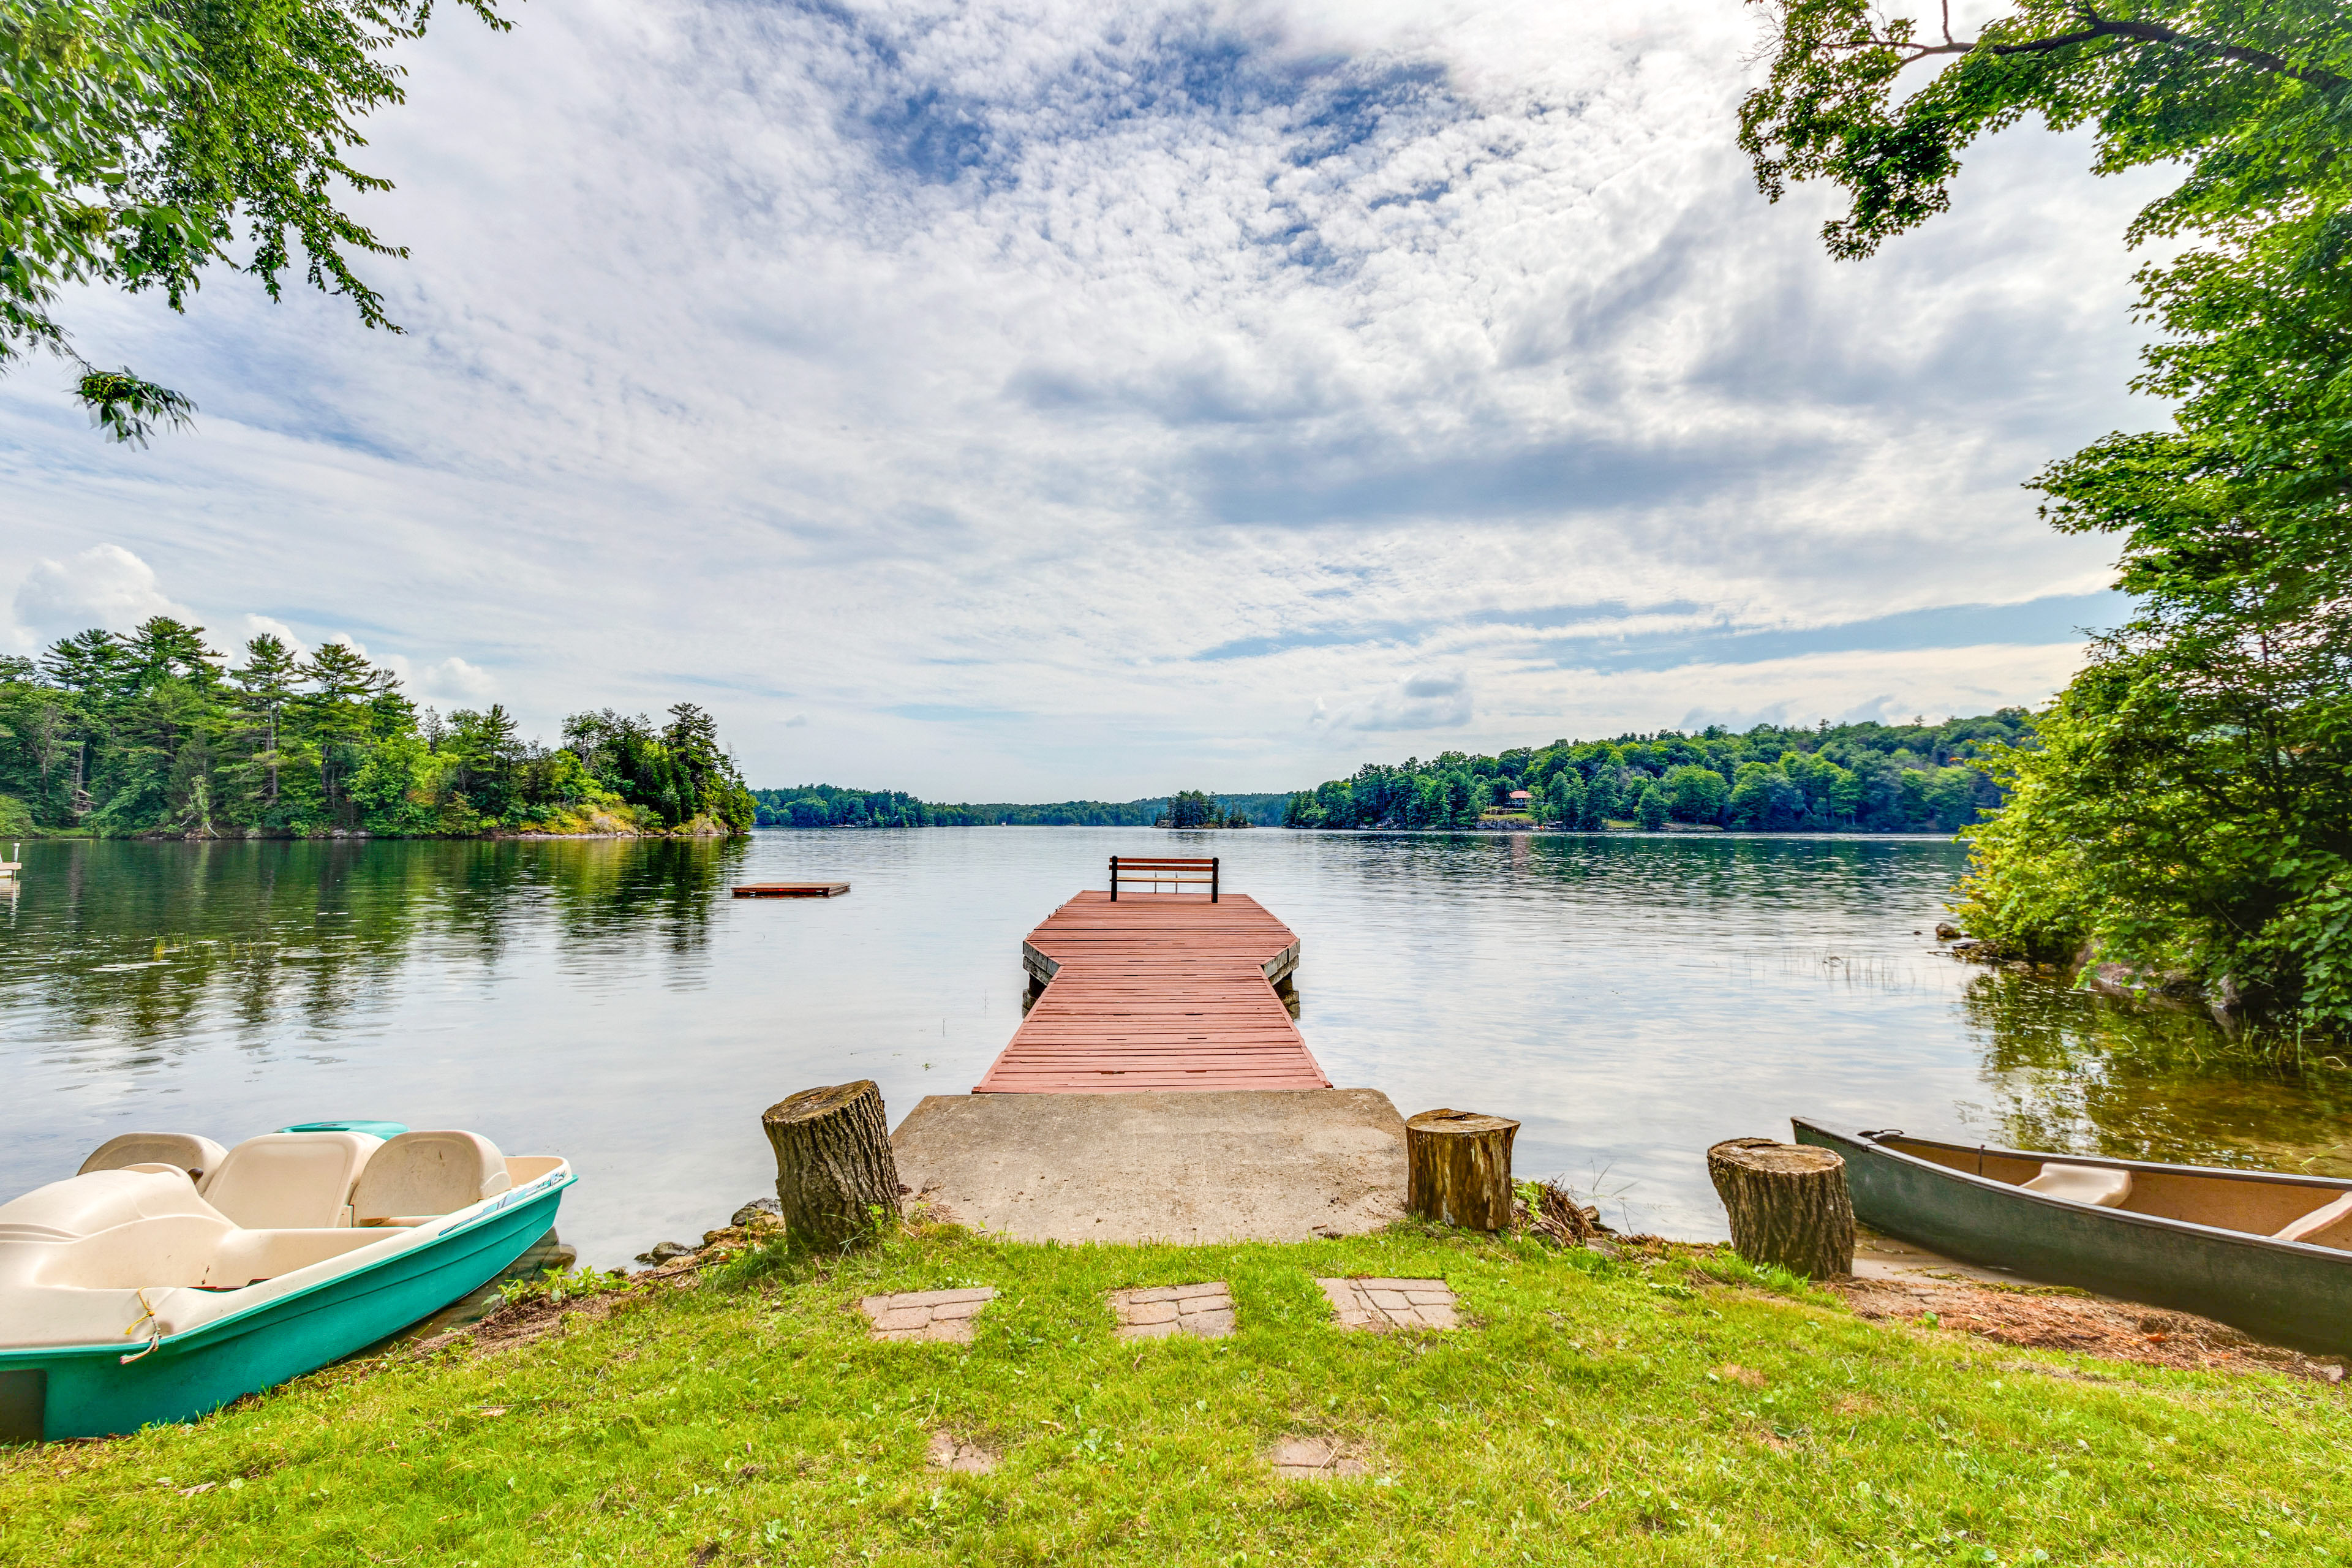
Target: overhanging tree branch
pixel 2103 28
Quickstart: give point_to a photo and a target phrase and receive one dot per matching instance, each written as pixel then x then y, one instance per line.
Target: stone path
pixel 942 1315
pixel 950 1453
pixel 1380 1305
pixel 1206 1309
pixel 1313 1459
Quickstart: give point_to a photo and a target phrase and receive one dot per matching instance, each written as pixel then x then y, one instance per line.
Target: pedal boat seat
pixel 290 1181
pixel 422 1175
pixel 181 1150
pixel 2096 1186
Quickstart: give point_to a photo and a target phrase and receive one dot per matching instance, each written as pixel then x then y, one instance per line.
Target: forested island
pixel 151 733
pixel 1858 778
pixel 829 805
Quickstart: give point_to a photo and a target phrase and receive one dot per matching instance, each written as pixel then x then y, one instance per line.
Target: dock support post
pixel 834 1166
pixel 1113 879
pixel 1213 877
pixel 1458 1168
pixel 1788 1203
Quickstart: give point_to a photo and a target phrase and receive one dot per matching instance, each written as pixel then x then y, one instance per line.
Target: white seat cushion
pixel 2311 1226
pixel 290 1181
pixel 420 1173
pixel 2095 1185
pixel 181 1150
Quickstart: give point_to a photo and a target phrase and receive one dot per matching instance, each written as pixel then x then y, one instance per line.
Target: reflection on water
pixel 1629 998
pixel 2148 1082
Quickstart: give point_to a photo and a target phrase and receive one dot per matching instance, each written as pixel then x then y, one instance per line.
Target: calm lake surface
pixel 1629 998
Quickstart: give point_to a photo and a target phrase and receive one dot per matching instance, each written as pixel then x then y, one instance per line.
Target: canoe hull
pixel 87 1391
pixel 2283 1292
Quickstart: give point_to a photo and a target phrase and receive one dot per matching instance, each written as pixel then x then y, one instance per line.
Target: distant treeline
pixel 1868 778
pixel 829 805
pixel 151 733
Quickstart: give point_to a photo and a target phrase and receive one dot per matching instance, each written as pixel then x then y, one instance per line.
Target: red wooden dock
pixel 1157 991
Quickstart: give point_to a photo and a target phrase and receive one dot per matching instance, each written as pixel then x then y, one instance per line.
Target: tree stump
pixel 1788 1203
pixel 834 1164
pixel 1458 1168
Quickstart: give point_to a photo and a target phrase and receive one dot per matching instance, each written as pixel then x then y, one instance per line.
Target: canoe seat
pixel 290 1181
pixel 2330 1225
pixel 419 1175
pixel 181 1150
pixel 2094 1185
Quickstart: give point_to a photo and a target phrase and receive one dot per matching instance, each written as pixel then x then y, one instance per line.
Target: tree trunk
pixel 834 1164
pixel 1788 1205
pixel 1458 1168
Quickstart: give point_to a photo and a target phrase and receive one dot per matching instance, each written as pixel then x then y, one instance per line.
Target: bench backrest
pixel 1160 870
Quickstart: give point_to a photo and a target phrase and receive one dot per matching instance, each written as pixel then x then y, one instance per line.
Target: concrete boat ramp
pixel 1157 1090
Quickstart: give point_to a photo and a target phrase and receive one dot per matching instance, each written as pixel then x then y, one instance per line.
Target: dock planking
pixel 1157 991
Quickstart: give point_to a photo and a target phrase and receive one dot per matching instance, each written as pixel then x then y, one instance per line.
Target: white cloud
pixel 1421 700
pixel 454 680
pixel 104 585
pixel 252 626
pixel 1011 356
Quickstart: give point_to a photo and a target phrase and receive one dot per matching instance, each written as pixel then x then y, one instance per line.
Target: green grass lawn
pixel 1589 1411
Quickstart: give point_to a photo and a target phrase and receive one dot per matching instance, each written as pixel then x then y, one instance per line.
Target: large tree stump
pixel 1788 1205
pixel 834 1164
pixel 1458 1168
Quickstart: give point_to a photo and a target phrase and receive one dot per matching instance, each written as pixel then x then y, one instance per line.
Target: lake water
pixel 1629 998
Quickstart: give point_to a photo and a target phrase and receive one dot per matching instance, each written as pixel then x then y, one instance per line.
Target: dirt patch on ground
pixel 536 1316
pixel 2118 1331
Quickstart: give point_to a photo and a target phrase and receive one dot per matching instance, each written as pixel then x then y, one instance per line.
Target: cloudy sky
pixel 1036 400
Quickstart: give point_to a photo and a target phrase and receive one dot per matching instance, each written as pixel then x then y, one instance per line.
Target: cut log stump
pixel 834 1166
pixel 1458 1168
pixel 1788 1205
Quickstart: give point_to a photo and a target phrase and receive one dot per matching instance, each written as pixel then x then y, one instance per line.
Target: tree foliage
pixel 152 732
pixel 2190 809
pixel 144 141
pixel 828 806
pixel 1867 777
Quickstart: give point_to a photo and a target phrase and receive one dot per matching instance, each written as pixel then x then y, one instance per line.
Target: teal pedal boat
pixel 171 1275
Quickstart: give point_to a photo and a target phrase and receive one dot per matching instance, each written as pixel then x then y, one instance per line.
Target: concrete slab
pixel 1224 1165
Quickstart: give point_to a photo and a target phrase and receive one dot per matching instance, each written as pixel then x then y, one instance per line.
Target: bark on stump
pixel 1788 1203
pixel 1458 1168
pixel 834 1164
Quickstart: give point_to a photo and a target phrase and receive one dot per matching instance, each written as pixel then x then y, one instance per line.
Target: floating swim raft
pixel 791 890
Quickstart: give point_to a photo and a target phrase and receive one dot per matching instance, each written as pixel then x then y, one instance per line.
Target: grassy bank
pixel 1589 1411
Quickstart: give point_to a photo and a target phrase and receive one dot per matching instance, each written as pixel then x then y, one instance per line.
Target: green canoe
pixel 2188 1237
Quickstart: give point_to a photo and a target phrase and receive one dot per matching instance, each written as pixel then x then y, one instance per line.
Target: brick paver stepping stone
pixel 1206 1309
pixel 1313 1459
pixel 944 1315
pixel 1380 1305
pixel 950 1452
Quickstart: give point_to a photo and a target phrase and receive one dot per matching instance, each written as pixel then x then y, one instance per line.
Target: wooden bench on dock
pixel 1164 872
pixel 1156 991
